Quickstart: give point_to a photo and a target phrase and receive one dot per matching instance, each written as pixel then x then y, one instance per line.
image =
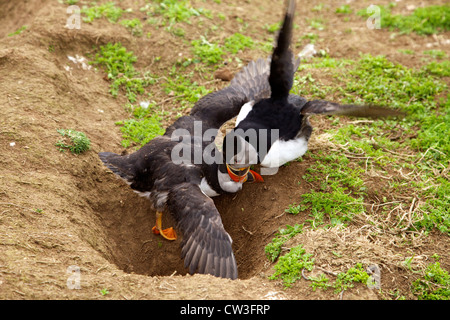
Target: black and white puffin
pixel 181 170
pixel 278 126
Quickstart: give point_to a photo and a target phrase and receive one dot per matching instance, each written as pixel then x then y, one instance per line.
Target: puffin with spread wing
pixel 181 170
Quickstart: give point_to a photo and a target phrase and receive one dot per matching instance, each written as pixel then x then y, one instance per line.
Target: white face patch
pixel 227 184
pixel 206 189
pixel 245 109
pixel 284 151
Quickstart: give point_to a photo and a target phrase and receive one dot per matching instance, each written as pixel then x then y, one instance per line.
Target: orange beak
pixel 244 174
pixel 254 177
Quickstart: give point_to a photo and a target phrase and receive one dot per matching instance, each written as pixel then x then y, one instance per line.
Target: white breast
pixel 284 151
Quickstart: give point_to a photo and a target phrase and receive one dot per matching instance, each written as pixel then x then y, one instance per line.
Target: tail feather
pixel 118 165
pixel 281 67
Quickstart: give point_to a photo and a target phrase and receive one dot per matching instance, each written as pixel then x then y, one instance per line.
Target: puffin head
pixel 239 155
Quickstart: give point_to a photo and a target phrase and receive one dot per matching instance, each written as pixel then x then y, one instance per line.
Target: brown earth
pixel 59 210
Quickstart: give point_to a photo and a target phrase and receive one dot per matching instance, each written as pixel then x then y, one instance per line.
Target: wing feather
pixel 368 111
pixel 206 246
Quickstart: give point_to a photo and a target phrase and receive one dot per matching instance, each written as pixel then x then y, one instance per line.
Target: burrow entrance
pixel 251 217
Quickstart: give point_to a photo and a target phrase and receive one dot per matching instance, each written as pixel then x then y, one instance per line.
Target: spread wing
pixel 249 84
pixel 206 245
pixel 368 111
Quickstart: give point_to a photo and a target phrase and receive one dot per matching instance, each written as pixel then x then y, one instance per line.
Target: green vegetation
pixel 77 142
pixel 183 87
pixel 237 42
pixel 273 249
pixel 273 28
pixel 104 291
pixel 134 25
pixel 175 10
pixel 18 31
pixel 140 131
pixel 207 52
pixel 344 9
pixel 418 145
pixel 376 80
pixel 212 53
pixel 290 266
pixel 341 193
pixel 118 63
pixel 434 285
pixel 113 14
pixel 347 279
pixel 317 23
pixel 107 10
pixel 423 21
pixel 436 54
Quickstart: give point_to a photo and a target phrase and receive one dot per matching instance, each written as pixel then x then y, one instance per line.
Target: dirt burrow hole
pixel 127 220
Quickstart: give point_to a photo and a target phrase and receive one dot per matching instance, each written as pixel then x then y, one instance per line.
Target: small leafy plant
pixel 347 279
pixel 290 266
pixel 273 249
pixel 18 31
pixel 434 285
pixel 133 25
pixel 77 142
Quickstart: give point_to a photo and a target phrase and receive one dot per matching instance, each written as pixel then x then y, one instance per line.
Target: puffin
pixel 180 171
pixel 277 127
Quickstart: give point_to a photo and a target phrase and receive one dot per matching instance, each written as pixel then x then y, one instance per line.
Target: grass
pixel 119 65
pixel 107 10
pixel 183 87
pixel 140 131
pixel 290 266
pixel 212 53
pixel 433 285
pixel 345 280
pixel 176 10
pixel 237 42
pixel 338 179
pixel 133 25
pixel 18 31
pixel 273 249
pixel 207 52
pixel 344 9
pixel 75 141
pixel 379 81
pixel 423 21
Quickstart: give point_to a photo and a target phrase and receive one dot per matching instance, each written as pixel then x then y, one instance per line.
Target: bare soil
pixel 59 210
